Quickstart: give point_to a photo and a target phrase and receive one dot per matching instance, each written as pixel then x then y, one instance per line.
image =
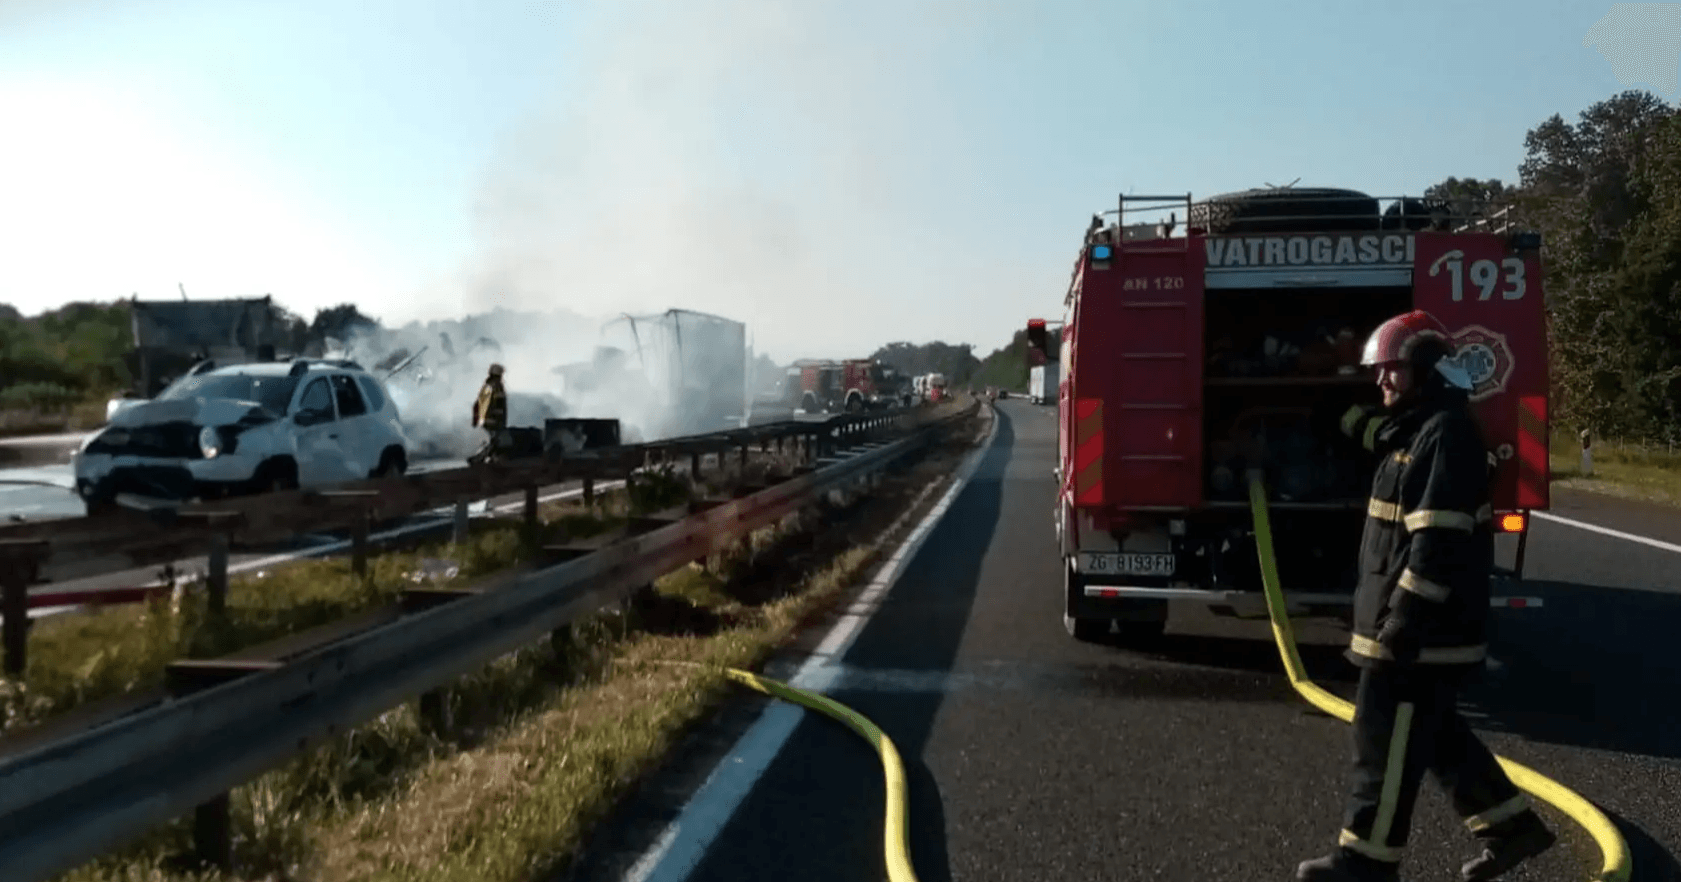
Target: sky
pixel 838 174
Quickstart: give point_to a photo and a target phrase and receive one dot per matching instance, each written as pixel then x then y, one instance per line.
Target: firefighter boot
pixel 1346 866
pixel 1508 845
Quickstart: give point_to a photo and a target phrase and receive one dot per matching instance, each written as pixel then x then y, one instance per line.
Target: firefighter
pixel 490 411
pixel 1420 615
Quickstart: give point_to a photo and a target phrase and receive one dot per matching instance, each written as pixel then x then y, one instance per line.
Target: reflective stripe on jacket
pixel 1429 531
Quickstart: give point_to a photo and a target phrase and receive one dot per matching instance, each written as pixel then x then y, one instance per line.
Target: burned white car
pixel 246 428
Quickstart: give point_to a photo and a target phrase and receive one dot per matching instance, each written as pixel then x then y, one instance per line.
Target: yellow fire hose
pixel 1616 867
pixel 1617 864
pixel 897 842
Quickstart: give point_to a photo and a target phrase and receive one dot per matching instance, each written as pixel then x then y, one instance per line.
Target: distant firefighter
pixel 490 412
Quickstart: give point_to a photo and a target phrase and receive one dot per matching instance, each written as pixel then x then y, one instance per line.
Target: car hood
pixel 198 411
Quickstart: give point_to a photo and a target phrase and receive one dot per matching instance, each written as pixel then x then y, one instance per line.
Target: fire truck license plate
pixel 1127 564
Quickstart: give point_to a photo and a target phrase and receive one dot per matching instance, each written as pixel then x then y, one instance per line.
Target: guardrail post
pixel 20 561
pixel 359 543
pixel 589 493
pixel 434 711
pixel 460 537
pixel 694 466
pixel 216 577
pixel 744 449
pixel 213 832
pixel 531 524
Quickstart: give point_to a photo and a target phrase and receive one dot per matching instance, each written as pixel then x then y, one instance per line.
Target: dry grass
pixel 1630 473
pixel 84 657
pixel 547 739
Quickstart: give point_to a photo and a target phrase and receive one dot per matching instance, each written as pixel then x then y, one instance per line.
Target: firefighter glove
pixel 1400 633
pixel 1351 418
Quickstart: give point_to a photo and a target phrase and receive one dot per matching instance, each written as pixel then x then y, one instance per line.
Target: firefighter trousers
pixel 1407 723
pixel 494 446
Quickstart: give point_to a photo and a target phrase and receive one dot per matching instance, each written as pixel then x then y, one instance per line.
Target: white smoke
pixel 556 365
pixel 769 162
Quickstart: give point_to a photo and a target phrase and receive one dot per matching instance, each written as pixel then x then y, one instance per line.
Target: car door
pixel 315 428
pixel 356 435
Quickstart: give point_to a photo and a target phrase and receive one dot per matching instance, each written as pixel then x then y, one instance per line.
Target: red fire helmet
pixel 1398 338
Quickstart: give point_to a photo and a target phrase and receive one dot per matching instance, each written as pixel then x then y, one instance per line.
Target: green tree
pixel 956 361
pixel 1602 193
pixel 340 322
pixel 1469 197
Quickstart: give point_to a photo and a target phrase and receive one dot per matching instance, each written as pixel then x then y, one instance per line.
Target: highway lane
pixel 1032 756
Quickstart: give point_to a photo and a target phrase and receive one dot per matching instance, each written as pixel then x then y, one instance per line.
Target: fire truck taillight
pixel 1512 522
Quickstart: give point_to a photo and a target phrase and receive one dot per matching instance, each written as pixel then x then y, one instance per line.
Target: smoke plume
pixel 767 162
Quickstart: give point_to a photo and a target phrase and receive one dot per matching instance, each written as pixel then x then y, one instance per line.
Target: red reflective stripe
pixel 1088 451
pixel 1532 452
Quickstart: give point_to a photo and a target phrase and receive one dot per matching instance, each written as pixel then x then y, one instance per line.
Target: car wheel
pixel 276 476
pixel 392 464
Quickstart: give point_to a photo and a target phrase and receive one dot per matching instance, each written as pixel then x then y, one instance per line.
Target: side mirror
pixel 1036 337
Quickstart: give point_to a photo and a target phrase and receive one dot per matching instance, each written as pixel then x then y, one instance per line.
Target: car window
pixel 272 392
pixel 317 401
pixel 348 396
pixel 376 398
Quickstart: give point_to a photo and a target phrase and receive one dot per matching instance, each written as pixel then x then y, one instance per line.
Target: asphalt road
pixel 1031 756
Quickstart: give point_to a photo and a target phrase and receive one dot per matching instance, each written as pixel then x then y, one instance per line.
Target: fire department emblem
pixel 1485 356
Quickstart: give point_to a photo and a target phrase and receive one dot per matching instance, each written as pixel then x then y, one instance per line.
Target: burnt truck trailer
pixel 695 364
pixel 1190 359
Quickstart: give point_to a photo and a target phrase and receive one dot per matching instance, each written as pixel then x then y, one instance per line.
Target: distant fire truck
pixel 850 385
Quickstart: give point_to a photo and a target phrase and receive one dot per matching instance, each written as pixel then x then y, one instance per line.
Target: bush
pixel 38 396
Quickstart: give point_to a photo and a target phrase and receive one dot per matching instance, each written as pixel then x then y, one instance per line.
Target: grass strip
pixel 81 657
pixel 1628 473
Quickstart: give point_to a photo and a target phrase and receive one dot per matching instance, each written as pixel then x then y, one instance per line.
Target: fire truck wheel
pixel 1141 631
pixel 1265 211
pixel 1086 630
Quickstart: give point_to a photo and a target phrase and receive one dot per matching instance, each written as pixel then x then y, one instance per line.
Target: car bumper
pixel 99 481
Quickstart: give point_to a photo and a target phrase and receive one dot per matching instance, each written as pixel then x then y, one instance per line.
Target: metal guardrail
pixel 73 548
pixel 67 800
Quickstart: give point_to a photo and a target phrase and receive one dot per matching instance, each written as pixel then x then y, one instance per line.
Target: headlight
pixel 210 442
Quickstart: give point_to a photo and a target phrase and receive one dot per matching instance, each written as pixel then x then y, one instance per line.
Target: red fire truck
pixel 850 385
pixel 1192 358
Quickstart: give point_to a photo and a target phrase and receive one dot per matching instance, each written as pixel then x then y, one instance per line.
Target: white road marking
pixel 681 845
pixel 1607 531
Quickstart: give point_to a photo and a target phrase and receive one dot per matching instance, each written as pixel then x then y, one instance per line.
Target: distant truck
pixel 1192 359
pixel 172 336
pixel 1042 383
pixel 934 387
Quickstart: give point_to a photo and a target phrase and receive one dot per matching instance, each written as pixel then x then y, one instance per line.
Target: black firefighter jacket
pixel 1427 554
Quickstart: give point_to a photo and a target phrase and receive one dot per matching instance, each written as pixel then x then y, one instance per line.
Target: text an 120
pixel 1154 283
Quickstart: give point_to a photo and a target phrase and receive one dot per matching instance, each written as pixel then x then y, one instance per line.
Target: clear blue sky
pixel 837 174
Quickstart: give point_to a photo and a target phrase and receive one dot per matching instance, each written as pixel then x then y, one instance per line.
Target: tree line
pixel 1605 193
pixel 78 352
